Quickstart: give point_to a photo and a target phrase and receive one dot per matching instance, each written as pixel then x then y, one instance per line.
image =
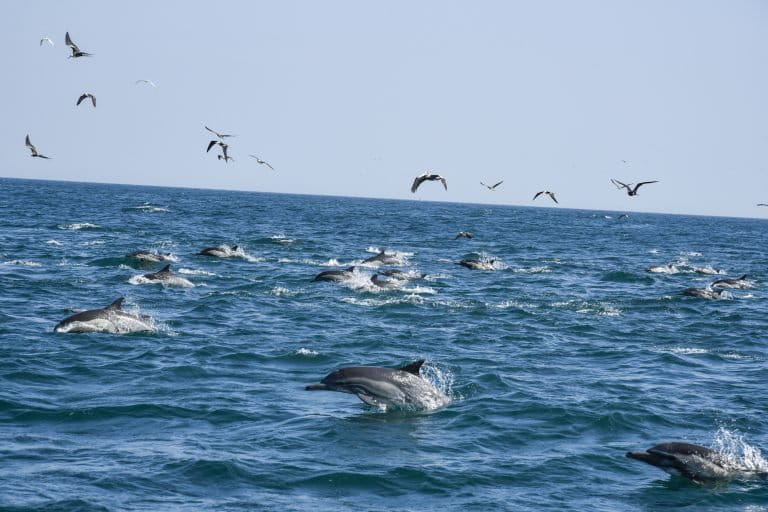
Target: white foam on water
pixel 23 263
pixel 195 272
pixel 740 455
pixel 306 352
pixel 78 226
pixel 54 242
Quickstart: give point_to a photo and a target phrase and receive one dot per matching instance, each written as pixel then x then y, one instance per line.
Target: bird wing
pixel 81 98
pixel 213 132
pixel 210 145
pixel 619 185
pixel 31 146
pixel 417 181
pixel 224 148
pixel 46 39
pixel 483 184
pixel 537 195
pixel 634 190
pixel 552 195
pixel 267 164
pixel 762 204
pixel 93 99
pixel 445 183
pixel 497 184
pixel 68 42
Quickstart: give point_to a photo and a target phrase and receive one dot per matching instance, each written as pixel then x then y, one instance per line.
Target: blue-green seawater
pixel 565 357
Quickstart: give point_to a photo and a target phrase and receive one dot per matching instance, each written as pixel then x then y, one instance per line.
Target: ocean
pixel 558 360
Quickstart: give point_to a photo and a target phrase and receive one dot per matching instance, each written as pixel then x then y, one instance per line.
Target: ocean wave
pixel 23 263
pixel 78 226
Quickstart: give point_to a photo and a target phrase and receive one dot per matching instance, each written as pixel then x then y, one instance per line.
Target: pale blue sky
pixel 356 98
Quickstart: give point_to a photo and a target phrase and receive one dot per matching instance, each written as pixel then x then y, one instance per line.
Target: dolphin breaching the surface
pixel 221 251
pixel 385 387
pixel 166 277
pixel 697 463
pixel 335 275
pixel 108 319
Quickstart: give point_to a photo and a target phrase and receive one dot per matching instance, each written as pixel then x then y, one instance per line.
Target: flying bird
pixel 46 39
pixel 262 162
pixel 33 149
pixel 225 157
pixel 550 194
pixel 76 52
pixel 631 191
pixel 465 234
pixel 224 148
pixel 492 187
pixel 762 204
pixel 147 82
pixel 84 96
pixel 421 178
pixel 219 135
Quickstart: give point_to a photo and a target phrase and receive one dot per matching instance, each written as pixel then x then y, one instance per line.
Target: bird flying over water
pixel 224 148
pixel 76 52
pixel 465 234
pixel 46 39
pixel 33 149
pixel 492 187
pixel 262 162
pixel 550 194
pixel 86 95
pixel 631 191
pixel 421 178
pixel 219 135
pixel 147 82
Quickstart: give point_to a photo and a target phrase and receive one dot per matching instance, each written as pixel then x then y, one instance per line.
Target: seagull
pixel 631 191
pixel 427 177
pixel 219 135
pixel 224 148
pixel 86 95
pixel 550 194
pixel 465 234
pixel 492 187
pixel 148 82
pixel 33 149
pixel 46 39
pixel 76 52
pixel 260 161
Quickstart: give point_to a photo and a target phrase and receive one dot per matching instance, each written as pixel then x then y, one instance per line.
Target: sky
pixel 356 98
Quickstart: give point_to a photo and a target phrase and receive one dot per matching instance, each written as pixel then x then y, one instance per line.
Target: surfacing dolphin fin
pixel 414 367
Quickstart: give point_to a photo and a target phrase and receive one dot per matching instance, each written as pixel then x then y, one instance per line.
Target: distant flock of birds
pixel 77 53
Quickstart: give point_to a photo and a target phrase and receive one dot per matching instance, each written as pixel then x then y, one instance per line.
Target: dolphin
pixel 150 256
pixel 399 274
pixel 334 275
pixel 384 387
pixel 662 269
pixel 741 282
pixel 109 319
pixel 222 251
pixel 385 283
pixel 703 293
pixel 477 264
pixel 697 463
pixel 383 258
pixel 166 277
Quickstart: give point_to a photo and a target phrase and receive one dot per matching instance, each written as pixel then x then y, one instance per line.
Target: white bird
pixel 421 178
pixel 33 149
pixel 148 82
pixel 492 187
pixel 86 95
pixel 76 52
pixel 219 135
pixel 550 194
pixel 46 39
pixel 262 162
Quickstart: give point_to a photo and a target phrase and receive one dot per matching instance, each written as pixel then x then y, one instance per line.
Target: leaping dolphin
pixel 741 282
pixel 385 387
pixel 167 277
pixel 383 258
pixel 109 319
pixel 334 275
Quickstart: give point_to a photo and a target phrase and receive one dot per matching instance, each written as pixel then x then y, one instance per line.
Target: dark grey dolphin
pixel 222 251
pixel 473 264
pixel 383 258
pixel 741 282
pixel 334 275
pixel 109 319
pixel 399 274
pixel 384 283
pixel 697 463
pixel 384 387
pixel 149 256
pixel 166 277
pixel 703 293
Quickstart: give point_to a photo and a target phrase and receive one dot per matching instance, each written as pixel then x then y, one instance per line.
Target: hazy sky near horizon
pixel 357 98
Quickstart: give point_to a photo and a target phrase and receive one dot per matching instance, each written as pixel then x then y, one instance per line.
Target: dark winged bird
pixel 762 204
pixel 465 234
pixel 492 187
pixel 84 96
pixel 76 52
pixel 224 148
pixel 421 178
pixel 219 135
pixel 33 149
pixel 550 194
pixel 631 190
pixel 262 162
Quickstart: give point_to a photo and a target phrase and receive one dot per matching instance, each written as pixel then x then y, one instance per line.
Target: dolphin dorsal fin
pixel 413 367
pixel 742 278
pixel 118 304
pixel 165 270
